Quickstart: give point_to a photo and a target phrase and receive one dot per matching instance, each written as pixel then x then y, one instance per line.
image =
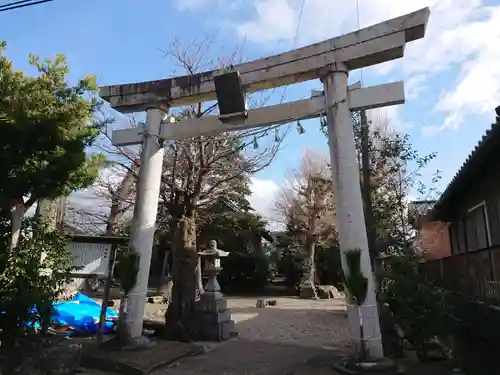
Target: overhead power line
pixel 359 27
pixel 295 39
pixel 21 4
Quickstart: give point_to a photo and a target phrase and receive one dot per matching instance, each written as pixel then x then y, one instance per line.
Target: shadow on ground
pixel 274 340
pixel 247 357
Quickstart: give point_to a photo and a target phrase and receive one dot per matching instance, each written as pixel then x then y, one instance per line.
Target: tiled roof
pixel 489 136
pixel 421 207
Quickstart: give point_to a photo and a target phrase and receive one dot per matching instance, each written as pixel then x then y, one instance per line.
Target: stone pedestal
pixel 213 316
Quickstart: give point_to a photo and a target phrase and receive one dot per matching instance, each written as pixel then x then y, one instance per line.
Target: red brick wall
pixel 433 239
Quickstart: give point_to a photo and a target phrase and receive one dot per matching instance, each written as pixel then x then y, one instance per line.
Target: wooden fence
pixel 474 274
pixel 471 299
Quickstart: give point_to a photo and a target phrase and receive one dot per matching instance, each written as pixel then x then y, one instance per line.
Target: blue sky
pixel 452 77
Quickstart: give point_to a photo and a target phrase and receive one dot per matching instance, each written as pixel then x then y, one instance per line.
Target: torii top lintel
pixel 369 46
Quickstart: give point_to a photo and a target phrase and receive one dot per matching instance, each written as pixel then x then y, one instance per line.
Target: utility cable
pixel 295 39
pixel 21 4
pixel 359 27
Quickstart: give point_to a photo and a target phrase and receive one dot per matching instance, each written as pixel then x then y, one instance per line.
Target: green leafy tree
pixel 292 263
pixel 396 170
pixel 46 124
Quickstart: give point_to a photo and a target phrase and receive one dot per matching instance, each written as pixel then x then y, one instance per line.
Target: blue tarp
pixel 82 314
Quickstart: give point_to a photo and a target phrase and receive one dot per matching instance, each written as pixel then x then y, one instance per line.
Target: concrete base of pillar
pixel 384 366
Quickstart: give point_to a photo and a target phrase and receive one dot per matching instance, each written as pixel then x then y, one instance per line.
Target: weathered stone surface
pixel 214 322
pixel 328 291
pixel 307 292
pixel 158 299
pixel 206 304
pixel 209 318
pixel 217 332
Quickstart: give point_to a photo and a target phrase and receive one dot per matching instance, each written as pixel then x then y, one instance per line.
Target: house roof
pixel 419 209
pixel 479 158
pixel 72 230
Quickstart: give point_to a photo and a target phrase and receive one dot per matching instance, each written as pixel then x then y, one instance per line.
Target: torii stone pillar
pixel 145 210
pixel 351 223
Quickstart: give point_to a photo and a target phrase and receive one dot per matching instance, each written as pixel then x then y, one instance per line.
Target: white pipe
pixel 351 223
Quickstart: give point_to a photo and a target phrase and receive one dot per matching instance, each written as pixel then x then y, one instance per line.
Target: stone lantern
pixel 213 316
pixel 211 260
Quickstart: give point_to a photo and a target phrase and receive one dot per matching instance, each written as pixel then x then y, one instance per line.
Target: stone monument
pixel 212 314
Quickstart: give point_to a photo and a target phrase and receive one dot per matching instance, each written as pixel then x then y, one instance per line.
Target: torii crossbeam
pixel 362 98
pixel 329 61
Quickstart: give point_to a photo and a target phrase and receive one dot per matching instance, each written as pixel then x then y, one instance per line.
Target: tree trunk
pixel 308 284
pixel 312 266
pixel 180 313
pixel 16 216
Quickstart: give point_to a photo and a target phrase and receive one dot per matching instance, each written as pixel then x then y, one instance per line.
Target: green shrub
pixel 292 265
pixel 415 304
pixel 244 272
pixel 329 267
pixel 27 285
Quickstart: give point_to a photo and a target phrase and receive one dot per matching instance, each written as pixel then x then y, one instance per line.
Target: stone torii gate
pixel 330 61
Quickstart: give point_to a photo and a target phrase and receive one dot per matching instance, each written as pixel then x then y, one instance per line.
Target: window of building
pixel 477 228
pixel 494 221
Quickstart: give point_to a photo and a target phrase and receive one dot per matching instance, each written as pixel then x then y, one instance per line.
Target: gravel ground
pixel 321 323
pixel 274 340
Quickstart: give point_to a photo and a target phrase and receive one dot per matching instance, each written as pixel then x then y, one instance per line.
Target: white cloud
pixel 321 19
pixel 414 86
pixel 430 130
pixel 388 117
pixel 196 5
pixel 462 35
pixel 263 197
pixel 190 4
pixel 269 26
